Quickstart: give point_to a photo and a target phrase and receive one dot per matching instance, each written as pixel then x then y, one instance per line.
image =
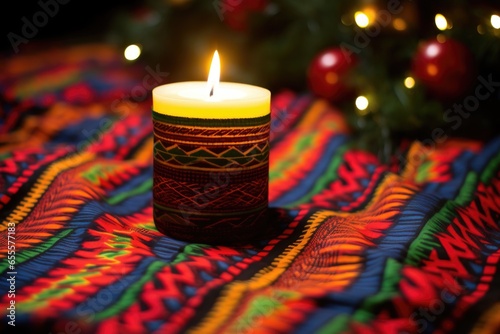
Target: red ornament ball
pixel 445 67
pixel 327 74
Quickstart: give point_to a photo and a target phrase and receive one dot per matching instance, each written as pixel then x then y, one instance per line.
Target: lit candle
pixel 211 159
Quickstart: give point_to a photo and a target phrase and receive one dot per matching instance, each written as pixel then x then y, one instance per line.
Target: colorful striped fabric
pixel 352 245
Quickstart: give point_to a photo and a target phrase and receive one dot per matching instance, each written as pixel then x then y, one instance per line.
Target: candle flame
pixel 214 75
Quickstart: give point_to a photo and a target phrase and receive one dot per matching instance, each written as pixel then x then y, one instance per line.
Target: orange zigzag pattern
pixel 91 268
pixel 54 209
pixel 332 247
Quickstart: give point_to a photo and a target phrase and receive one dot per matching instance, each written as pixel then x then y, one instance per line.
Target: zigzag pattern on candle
pixel 183 155
pixel 210 177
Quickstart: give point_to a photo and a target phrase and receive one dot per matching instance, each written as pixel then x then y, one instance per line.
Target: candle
pixel 211 159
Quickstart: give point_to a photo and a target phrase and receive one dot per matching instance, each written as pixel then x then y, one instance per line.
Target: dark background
pixel 80 21
pixel 74 22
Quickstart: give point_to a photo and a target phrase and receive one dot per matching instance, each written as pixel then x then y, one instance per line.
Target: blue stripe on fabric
pixel 487 154
pixel 321 316
pixel 459 169
pixel 101 301
pixel 394 245
pixel 133 183
pixel 467 162
pixel 167 248
pixel 36 267
pixel 279 134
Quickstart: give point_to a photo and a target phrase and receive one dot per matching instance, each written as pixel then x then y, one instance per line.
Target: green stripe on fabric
pixel 466 193
pixel 260 306
pixel 189 251
pixel 423 171
pixel 146 186
pixel 301 145
pixel 27 254
pixel 337 325
pixel 388 290
pixel 207 122
pixel 490 170
pixel 326 178
pixel 426 240
pixel 94 173
pixel 367 311
pixel 130 295
pixel 42 299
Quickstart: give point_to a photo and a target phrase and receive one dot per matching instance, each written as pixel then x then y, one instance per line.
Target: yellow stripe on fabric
pixel 144 154
pixel 313 115
pixel 416 155
pixel 41 185
pixel 232 295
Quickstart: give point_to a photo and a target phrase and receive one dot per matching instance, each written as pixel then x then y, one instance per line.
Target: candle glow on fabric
pixel 228 100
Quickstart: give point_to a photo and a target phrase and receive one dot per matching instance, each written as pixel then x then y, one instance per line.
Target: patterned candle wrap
pixel 211 176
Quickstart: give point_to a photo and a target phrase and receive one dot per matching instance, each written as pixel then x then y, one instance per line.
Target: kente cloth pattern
pixel 352 245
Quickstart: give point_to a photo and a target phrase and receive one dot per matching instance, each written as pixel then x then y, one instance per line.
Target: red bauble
pixel 446 68
pixel 327 74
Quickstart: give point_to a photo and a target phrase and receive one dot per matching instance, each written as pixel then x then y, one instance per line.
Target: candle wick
pixel 212 91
